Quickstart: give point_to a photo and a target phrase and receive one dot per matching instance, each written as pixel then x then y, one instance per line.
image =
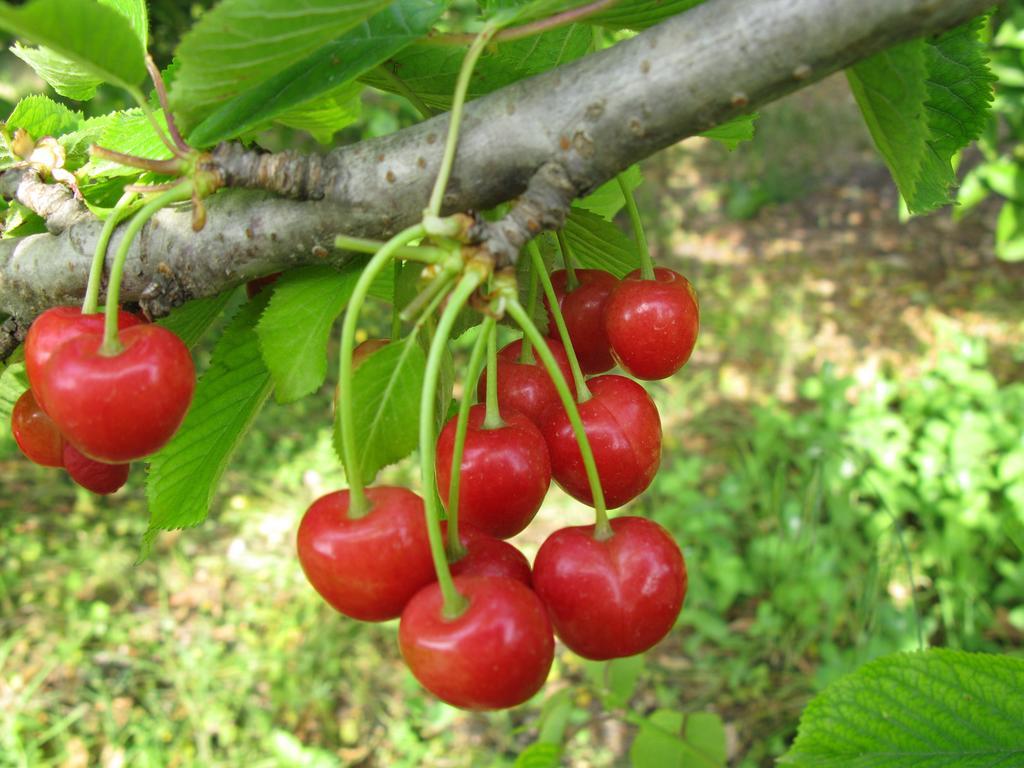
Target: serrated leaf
pixel 240 43
pixel 76 143
pixel 40 116
pixel 183 476
pixel 607 200
pixel 325 117
pixel 430 71
pixel 95 37
pixel 335 64
pixel 190 321
pixel 935 709
pixel 640 14
pixel 923 101
pixel 13 382
pixel 733 132
pixel 599 244
pixel 129 132
pixel 296 327
pixel 386 401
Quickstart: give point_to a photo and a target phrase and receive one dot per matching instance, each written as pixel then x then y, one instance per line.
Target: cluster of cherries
pixel 92 408
pixel 606 590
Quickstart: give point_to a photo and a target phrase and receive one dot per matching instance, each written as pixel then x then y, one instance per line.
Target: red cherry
pixel 92 475
pixel 505 472
pixel 120 407
pixel 611 598
pixel 35 433
pixel 496 654
pixel 526 387
pixel 488 556
pixel 253 287
pixel 624 430
pixel 51 329
pixel 370 567
pixel 652 324
pixel 583 311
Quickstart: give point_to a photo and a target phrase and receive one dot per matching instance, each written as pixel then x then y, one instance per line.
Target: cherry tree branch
pixel 589 120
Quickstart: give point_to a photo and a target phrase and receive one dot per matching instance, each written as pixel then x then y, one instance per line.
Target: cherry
pixel 624 430
pixel 611 598
pixel 368 567
pixel 488 556
pixel 496 654
pixel 35 433
pixel 526 387
pixel 652 324
pixel 94 476
pixel 116 408
pixel 505 472
pixel 54 327
pixel 583 311
pixel 253 287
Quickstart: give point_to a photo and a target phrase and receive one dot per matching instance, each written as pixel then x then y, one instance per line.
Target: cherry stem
pixel 571 282
pixel 92 290
pixel 358 503
pixel 646 265
pixel 423 253
pixel 492 414
pixel 396 311
pixel 179 147
pixel 532 28
pixel 436 286
pixel 582 390
pixel 111 343
pixel 403 89
pixel 526 351
pixel 602 528
pixel 459 100
pixel 473 368
pixel 454 602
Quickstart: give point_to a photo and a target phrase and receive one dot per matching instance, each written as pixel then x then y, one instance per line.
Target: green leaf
pixel 334 65
pixel 620 679
pixel 668 738
pixel 183 476
pixel 430 71
pixel 386 400
pixel 599 244
pixel 640 14
pixel 733 132
pixel 607 200
pixel 1010 232
pixel 40 116
pixel 923 101
pixel 935 709
pixel 95 38
pixel 295 329
pixel 540 754
pixel 129 132
pixel 240 43
pixel 1004 177
pixel 190 321
pixel 13 382
pixel 325 117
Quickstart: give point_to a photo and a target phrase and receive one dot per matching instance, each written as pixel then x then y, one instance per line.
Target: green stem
pixel 396 311
pixel 570 268
pixel 526 351
pixel 425 253
pixel 459 100
pixel 92 291
pixel 582 390
pixel 111 344
pixel 438 284
pixel 646 265
pixel 454 603
pixel 492 417
pixel 358 505
pixel 602 528
pixel 476 362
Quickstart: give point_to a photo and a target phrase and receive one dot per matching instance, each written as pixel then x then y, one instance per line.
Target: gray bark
pixel 593 118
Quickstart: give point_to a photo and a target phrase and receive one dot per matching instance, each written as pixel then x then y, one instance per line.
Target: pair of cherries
pixel 107 407
pixel 648 327
pixel 605 598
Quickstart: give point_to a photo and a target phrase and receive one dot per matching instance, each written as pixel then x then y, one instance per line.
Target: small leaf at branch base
pixel 296 327
pixel 40 116
pixel 935 709
pixel 183 476
pixel 733 132
pixel 607 200
pixel 386 401
pixel 599 244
